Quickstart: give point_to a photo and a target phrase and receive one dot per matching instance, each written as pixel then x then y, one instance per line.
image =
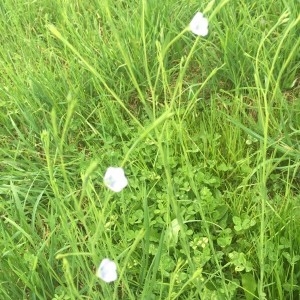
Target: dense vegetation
pixel 207 130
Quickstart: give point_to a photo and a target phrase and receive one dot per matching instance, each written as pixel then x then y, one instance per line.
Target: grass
pixel 207 130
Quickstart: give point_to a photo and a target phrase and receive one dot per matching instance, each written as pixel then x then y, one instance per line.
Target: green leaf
pixel 249 285
pixel 238 223
pixel 172 232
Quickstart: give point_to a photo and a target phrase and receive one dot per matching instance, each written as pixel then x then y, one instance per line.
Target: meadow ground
pixel 207 130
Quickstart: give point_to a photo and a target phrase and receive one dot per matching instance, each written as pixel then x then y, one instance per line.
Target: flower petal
pixel 199 24
pixel 107 270
pixel 115 179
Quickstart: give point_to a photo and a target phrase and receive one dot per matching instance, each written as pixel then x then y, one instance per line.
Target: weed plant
pixel 207 130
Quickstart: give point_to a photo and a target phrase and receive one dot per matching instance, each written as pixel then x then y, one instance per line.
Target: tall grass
pixel 207 130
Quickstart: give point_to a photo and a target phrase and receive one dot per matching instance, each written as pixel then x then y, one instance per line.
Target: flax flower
pixel 115 179
pixel 199 24
pixel 107 270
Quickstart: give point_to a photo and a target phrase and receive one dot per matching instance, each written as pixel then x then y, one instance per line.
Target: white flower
pixel 115 179
pixel 199 24
pixel 107 270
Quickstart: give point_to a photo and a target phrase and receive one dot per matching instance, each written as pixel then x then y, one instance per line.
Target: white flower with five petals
pixel 115 179
pixel 107 270
pixel 199 24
